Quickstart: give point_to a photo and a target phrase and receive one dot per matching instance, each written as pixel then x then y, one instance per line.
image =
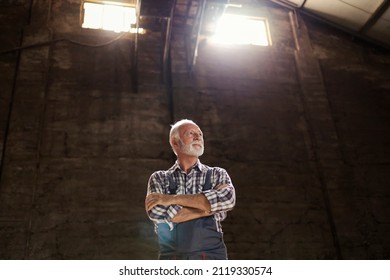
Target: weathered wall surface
pixel 301 126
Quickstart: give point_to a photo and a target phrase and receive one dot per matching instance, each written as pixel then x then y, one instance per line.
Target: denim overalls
pixel 194 239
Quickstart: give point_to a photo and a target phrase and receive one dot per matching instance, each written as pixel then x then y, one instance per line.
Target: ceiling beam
pixel 375 16
pixel 167 42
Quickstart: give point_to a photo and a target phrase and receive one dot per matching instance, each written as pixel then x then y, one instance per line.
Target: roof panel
pixel 339 12
pixel 368 19
pixel 368 6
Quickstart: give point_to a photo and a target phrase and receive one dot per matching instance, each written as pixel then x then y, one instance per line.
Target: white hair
pixel 174 133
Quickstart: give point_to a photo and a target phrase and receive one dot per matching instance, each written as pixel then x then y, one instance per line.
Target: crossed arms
pixel 184 207
pixel 193 205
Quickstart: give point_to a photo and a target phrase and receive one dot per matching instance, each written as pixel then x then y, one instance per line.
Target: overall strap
pixel 172 184
pixel 207 184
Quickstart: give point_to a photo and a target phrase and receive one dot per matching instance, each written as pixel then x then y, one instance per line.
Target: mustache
pixel 197 143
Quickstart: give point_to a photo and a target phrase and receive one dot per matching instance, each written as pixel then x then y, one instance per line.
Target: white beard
pixel 191 150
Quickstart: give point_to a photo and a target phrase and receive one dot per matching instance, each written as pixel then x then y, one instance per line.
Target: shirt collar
pixel 198 165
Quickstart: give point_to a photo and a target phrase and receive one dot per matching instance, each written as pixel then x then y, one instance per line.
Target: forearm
pixel 187 214
pixel 197 201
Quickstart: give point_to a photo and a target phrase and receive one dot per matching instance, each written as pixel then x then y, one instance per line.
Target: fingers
pixel 149 205
pixel 153 200
pixel 150 201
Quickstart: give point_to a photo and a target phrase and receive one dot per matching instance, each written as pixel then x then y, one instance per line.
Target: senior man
pixel 188 202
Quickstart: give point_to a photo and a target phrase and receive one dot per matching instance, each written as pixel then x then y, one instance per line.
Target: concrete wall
pixel 302 127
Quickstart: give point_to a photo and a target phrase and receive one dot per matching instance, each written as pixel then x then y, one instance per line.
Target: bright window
pixel 237 29
pixel 114 17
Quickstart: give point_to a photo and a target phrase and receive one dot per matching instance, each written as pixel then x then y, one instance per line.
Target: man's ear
pixel 174 142
pixel 175 145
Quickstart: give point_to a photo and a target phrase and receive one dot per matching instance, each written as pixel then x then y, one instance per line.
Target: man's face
pixel 191 140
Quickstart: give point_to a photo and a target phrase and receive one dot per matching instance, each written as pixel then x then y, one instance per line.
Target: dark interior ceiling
pixel 364 19
pixel 367 19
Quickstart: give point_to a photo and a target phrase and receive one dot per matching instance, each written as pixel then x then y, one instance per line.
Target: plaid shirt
pixel 221 201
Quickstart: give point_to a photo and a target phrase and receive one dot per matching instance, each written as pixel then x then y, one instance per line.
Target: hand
pixel 154 199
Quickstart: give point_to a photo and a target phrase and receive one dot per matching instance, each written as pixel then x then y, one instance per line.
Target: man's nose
pixel 197 135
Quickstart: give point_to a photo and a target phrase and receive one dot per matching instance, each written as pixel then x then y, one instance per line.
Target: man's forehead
pixel 189 126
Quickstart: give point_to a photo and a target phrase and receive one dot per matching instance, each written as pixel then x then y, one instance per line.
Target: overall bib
pixel 194 239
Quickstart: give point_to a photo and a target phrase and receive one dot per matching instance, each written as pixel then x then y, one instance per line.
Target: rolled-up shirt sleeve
pixel 159 213
pixel 224 199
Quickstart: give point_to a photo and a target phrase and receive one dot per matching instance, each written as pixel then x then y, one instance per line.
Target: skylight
pixel 116 17
pixel 238 29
